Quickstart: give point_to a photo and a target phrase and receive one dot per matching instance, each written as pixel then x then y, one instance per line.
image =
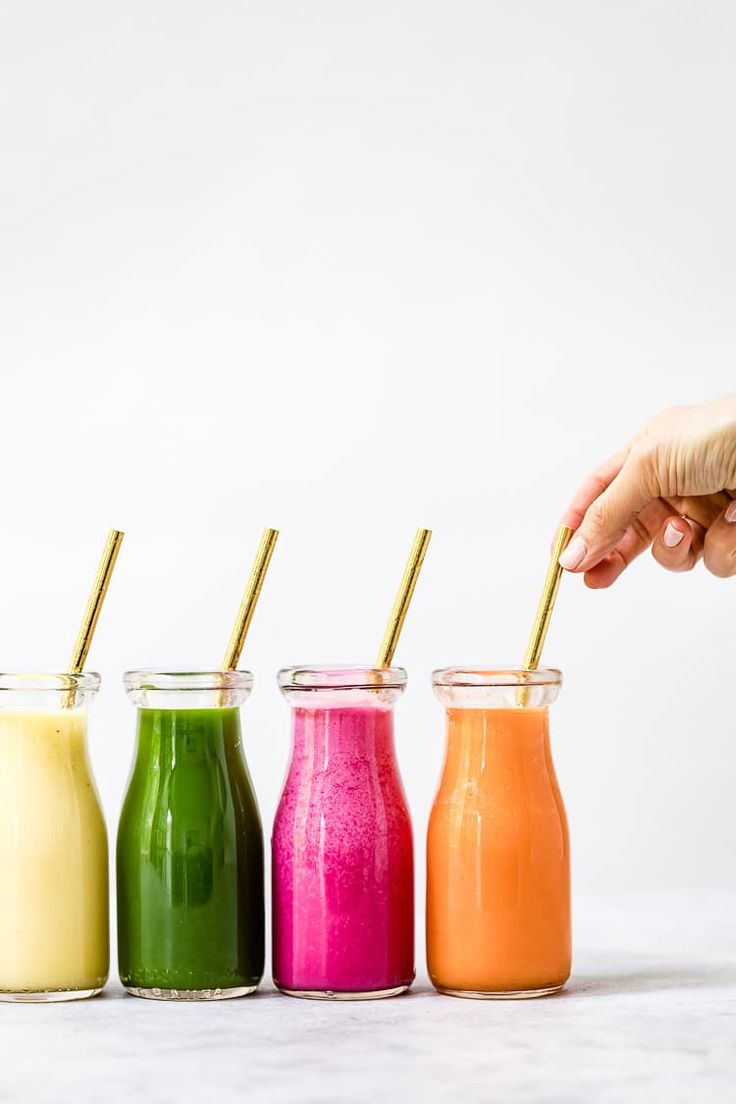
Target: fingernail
pixel 730 514
pixel 672 536
pixel 574 554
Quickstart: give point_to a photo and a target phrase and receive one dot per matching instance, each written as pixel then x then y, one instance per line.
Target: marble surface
pixel 649 1015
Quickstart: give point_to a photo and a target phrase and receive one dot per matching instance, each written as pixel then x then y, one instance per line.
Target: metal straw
pixel 250 598
pixel 544 609
pixel 96 598
pixel 403 598
pixel 547 601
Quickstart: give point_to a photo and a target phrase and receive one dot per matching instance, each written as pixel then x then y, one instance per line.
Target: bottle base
pixel 510 994
pixel 155 993
pixel 48 996
pixel 339 995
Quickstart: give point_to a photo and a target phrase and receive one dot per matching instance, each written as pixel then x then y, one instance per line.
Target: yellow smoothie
pixel 53 856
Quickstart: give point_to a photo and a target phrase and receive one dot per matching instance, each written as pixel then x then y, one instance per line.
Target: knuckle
pixel 641 530
pixel 647 457
pixel 675 410
pixel 664 419
pixel 642 450
pixel 597 515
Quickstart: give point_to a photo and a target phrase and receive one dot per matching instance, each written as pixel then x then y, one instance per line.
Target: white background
pixel 350 268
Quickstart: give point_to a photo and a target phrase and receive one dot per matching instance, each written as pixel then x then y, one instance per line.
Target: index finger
pixel 592 487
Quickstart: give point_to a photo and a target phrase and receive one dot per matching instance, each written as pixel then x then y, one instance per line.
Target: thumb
pixel 611 514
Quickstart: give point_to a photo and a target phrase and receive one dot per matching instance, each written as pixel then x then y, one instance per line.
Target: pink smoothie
pixel 343 880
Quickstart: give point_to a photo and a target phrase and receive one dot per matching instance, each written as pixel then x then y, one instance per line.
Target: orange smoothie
pixel 498 867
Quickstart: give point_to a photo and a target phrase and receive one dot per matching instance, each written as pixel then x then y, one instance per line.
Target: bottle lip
pixel 472 677
pixel 43 682
pixel 178 681
pixel 321 677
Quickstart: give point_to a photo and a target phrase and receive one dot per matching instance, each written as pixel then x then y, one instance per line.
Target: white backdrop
pixel 347 269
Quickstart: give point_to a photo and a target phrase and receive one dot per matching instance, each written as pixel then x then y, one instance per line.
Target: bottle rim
pixel 178 681
pixel 44 682
pixel 472 677
pixel 321 677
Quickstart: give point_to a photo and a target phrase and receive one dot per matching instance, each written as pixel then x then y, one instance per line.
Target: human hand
pixel 669 488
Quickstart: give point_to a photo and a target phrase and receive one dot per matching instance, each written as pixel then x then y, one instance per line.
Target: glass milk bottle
pixel 498 865
pixel 53 843
pixel 343 890
pixel 190 843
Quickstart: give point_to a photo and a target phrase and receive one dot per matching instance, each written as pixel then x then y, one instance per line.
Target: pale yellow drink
pixel 53 858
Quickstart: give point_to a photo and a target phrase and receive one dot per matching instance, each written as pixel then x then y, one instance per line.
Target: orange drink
pixel 498 863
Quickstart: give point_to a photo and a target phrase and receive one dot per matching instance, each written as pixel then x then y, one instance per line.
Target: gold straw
pixel 96 598
pixel 544 609
pixel 403 598
pixel 248 605
pixel 547 601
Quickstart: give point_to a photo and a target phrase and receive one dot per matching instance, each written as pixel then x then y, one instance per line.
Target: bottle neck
pixel 43 727
pixel 349 731
pixel 488 741
pixel 187 734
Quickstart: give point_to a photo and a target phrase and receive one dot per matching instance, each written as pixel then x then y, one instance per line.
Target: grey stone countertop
pixel 649 1015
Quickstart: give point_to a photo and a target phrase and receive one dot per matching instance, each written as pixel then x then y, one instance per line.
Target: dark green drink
pixel 190 844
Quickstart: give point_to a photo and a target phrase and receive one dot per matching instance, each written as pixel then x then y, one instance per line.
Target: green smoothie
pixel 190 860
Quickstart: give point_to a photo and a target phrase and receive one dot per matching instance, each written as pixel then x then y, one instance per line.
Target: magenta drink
pixel 343 876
